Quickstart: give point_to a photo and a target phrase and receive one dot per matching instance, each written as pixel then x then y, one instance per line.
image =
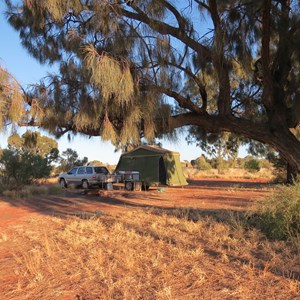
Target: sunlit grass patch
pixel 279 214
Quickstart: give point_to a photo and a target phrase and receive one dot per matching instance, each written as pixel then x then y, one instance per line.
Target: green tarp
pixel 157 166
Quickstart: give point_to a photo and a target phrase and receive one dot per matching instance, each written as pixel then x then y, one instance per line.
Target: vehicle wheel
pixel 129 186
pixel 63 183
pixel 85 184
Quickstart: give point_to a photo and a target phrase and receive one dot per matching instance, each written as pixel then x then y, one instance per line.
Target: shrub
pixel 252 165
pixel 278 216
pixel 202 164
pixel 23 167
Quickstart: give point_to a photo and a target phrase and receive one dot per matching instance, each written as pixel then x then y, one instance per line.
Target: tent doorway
pixel 162 172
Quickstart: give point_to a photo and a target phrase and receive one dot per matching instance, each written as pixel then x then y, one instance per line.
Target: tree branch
pixel 182 101
pixel 181 21
pixel 216 123
pixel 165 29
pixel 201 86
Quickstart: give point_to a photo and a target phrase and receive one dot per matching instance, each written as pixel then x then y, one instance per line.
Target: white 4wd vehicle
pixel 84 176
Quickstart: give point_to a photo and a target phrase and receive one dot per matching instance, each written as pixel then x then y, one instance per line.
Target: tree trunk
pixel 291 174
pixel 289 148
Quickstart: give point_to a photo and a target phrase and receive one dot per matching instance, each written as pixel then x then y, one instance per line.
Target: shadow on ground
pixel 199 194
pixel 201 199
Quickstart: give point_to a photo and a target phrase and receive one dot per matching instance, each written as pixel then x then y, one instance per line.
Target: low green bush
pixel 278 216
pixel 252 165
pixel 201 163
pixel 23 167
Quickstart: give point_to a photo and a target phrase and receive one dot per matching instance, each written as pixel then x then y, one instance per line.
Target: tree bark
pixel 291 174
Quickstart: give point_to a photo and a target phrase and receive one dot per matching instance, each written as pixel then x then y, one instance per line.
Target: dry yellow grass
pixel 148 254
pixel 229 174
pixel 51 180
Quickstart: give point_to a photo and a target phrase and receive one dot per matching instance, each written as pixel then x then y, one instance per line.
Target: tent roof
pixel 152 148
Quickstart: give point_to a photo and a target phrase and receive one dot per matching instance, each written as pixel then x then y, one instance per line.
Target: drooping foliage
pixel 17 107
pixel 132 69
pixel 11 100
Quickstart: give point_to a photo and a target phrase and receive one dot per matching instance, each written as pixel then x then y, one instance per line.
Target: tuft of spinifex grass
pixel 279 214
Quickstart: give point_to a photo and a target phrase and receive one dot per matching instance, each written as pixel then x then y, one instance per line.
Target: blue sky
pixel 27 70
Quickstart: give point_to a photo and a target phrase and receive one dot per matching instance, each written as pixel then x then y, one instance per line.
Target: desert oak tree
pixel 141 68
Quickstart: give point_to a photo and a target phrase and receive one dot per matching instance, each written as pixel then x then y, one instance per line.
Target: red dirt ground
pixel 206 194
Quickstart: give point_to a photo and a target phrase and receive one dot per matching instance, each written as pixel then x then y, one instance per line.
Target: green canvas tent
pixel 157 166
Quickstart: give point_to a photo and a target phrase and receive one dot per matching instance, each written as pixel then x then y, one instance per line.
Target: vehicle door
pixel 80 175
pixel 71 176
pixel 89 174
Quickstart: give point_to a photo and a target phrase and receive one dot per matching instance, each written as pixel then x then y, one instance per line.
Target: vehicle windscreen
pixel 73 171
